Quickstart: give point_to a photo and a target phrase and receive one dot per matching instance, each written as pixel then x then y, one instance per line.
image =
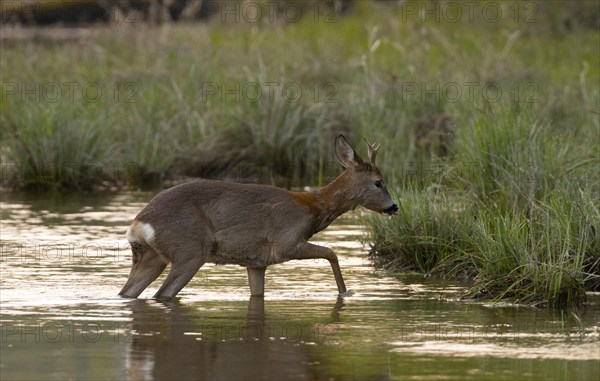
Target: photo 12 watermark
pixel 468 91
pixel 32 252
pixel 69 332
pixel 69 91
pixel 271 12
pixel 270 91
pixel 94 332
pixel 470 11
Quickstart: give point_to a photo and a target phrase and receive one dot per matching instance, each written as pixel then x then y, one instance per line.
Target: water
pixel 63 261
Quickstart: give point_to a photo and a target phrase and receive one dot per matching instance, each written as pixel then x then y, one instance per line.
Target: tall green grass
pixel 56 146
pixel 516 209
pixel 550 254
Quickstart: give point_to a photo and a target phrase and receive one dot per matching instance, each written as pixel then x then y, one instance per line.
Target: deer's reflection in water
pixel 171 340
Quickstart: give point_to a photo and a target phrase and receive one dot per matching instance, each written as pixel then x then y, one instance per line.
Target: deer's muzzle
pixel 391 210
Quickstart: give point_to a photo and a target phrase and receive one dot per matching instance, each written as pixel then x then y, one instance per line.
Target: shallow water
pixel 63 261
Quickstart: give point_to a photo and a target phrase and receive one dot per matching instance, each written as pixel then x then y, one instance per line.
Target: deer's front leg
pixel 256 280
pixel 309 251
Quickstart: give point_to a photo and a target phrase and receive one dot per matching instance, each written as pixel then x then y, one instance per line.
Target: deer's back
pixel 244 224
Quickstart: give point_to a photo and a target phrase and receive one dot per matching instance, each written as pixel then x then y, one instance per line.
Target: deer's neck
pixel 328 203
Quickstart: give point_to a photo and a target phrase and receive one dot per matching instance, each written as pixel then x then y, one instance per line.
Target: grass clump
pixel 549 254
pixel 513 204
pixel 57 148
pixel 515 209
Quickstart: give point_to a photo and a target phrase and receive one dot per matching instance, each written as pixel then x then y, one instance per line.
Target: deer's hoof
pixel 347 293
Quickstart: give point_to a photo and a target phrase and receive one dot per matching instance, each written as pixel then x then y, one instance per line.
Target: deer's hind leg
pixel 188 253
pixel 179 276
pixel 147 266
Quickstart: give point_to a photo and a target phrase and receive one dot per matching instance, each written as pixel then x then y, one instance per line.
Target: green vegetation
pixel 489 128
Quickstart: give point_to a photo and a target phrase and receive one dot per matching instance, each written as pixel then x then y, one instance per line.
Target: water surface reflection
pixel 64 260
pixel 173 337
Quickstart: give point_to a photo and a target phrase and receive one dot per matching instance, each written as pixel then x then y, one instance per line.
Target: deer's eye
pixel 378 184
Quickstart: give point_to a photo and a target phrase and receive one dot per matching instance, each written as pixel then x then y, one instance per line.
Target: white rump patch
pixel 148 232
pixel 130 236
pixel 140 231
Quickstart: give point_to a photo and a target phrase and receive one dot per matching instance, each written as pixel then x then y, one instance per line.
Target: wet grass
pixel 489 130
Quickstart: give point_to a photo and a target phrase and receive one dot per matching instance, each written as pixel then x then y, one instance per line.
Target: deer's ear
pixel 345 153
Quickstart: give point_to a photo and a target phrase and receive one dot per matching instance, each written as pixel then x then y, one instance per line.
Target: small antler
pixel 372 151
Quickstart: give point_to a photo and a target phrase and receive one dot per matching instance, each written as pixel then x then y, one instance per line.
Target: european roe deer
pixel 245 224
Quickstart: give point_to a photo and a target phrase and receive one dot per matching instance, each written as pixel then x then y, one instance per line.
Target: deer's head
pixel 368 185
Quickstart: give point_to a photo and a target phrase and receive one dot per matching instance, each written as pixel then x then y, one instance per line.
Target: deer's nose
pixel 391 210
